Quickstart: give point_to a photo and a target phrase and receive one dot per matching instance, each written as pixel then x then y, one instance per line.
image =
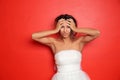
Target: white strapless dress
pixel 68 66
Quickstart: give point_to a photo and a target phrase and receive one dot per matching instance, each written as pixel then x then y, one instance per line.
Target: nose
pixel 65 29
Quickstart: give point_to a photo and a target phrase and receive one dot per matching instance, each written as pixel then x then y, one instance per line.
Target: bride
pixel 68 47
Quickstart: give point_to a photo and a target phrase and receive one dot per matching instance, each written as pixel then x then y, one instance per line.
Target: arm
pixel 90 34
pixel 42 36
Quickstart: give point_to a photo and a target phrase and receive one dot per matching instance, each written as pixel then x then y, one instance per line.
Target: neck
pixel 66 40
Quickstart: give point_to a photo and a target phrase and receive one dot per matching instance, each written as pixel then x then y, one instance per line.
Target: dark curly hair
pixel 67 16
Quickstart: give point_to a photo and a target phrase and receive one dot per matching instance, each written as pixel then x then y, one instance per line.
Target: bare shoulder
pixel 77 39
pixel 57 43
pixel 78 43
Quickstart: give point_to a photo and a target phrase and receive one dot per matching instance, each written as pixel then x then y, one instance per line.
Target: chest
pixel 68 46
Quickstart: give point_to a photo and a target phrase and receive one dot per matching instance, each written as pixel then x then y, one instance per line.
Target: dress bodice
pixel 68 64
pixel 68 60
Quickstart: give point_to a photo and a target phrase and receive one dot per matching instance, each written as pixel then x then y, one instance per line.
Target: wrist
pixel 75 29
pixel 56 30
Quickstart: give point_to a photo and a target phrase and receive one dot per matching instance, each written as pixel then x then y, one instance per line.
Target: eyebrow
pixel 61 23
pixel 69 21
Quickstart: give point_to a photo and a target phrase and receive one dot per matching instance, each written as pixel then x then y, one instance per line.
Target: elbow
pixel 33 36
pixel 97 33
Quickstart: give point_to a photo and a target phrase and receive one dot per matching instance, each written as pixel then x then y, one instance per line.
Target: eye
pixel 68 26
pixel 62 26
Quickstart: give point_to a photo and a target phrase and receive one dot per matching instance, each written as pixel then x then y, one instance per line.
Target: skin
pixel 64 27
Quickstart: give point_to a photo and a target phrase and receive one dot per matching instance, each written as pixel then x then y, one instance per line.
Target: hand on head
pixel 72 24
pixel 62 23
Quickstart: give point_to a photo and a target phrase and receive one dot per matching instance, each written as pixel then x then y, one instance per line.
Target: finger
pixel 71 22
pixel 61 20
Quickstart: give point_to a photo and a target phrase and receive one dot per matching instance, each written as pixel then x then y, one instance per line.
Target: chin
pixel 65 36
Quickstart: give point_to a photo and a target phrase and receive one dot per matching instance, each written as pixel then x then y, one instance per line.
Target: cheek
pixel 61 30
pixel 69 30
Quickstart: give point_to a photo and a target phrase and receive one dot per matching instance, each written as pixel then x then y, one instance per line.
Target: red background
pixel 21 58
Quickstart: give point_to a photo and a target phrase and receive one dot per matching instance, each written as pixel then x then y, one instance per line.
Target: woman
pixel 68 47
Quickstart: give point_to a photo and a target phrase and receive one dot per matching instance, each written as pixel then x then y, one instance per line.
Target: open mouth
pixel 65 34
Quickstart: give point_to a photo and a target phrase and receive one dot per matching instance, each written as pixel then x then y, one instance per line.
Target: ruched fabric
pixel 68 64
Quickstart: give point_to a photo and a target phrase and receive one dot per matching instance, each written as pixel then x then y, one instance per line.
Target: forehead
pixel 64 20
